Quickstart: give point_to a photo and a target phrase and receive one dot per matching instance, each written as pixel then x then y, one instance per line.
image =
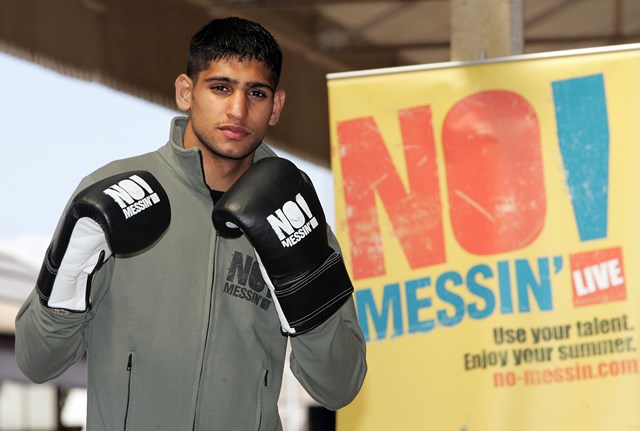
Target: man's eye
pixel 219 88
pixel 257 93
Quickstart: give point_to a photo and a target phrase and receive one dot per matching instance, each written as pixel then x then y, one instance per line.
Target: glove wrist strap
pixel 310 300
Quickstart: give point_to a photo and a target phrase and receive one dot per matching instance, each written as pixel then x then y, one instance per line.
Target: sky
pixel 57 129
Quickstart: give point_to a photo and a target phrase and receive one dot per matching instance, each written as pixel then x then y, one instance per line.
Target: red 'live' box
pixel 598 276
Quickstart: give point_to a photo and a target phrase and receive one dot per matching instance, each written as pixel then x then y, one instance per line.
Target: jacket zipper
pixel 129 366
pixel 208 323
pixel 265 382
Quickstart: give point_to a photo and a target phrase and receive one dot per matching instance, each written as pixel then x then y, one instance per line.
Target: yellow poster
pixel 489 214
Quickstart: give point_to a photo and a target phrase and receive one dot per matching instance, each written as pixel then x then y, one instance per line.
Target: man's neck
pixel 221 173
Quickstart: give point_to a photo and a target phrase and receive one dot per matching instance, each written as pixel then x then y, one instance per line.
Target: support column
pixel 486 28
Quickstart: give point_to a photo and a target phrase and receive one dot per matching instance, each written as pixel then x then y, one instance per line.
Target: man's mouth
pixel 234 132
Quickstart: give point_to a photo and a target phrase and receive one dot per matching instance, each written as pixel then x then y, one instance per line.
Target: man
pixel 184 327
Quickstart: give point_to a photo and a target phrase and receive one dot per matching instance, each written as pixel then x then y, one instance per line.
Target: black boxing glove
pixel 122 214
pixel 275 205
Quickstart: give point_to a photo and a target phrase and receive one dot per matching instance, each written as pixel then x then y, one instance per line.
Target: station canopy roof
pixel 139 46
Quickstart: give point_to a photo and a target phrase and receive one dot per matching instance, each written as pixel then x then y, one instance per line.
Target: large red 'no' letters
pixel 492 151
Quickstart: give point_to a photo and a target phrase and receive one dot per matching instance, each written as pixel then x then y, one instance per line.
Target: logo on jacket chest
pixel 244 281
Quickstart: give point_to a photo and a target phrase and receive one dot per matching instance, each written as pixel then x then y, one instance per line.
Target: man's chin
pixel 231 155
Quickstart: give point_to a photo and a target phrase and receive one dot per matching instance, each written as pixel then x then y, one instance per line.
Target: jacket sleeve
pixel 330 360
pixel 47 343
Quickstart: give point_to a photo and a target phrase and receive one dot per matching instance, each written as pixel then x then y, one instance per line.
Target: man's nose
pixel 237 107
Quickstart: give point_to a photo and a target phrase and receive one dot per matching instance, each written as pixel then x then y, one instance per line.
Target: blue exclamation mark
pixel 583 134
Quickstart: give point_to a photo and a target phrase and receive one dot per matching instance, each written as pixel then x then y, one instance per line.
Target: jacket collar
pixel 187 163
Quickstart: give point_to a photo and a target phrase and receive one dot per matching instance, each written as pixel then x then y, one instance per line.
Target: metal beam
pixel 279 4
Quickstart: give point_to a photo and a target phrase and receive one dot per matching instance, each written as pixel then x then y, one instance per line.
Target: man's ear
pixel 278 104
pixel 184 89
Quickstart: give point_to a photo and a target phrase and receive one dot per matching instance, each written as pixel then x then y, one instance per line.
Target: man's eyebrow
pixel 250 84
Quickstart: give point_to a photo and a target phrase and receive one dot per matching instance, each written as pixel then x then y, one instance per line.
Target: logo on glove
pixel 290 223
pixel 133 195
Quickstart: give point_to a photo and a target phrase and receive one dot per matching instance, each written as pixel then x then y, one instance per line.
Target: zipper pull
pixel 129 362
pixel 266 373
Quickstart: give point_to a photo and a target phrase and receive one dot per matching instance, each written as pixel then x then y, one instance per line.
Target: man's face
pixel 231 104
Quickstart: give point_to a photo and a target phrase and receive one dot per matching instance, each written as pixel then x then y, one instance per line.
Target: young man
pixel 178 322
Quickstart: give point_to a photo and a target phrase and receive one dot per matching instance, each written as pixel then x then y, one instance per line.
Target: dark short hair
pixel 233 38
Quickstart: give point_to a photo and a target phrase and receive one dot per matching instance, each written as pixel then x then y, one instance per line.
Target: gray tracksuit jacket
pixel 184 336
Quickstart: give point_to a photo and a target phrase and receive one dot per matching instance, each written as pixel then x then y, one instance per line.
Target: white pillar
pixel 28 407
